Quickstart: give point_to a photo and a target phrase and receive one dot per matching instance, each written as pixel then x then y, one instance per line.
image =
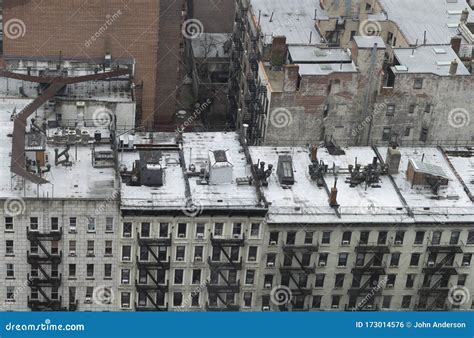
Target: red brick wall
pixel 65 25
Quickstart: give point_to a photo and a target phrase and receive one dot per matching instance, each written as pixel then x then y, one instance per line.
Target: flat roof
pixel 369 42
pixel 438 18
pixel 293 19
pixel 428 59
pixel 326 68
pixel 312 54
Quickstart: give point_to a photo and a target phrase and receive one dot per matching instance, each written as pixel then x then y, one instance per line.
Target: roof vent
pixel 285 170
pixel 220 167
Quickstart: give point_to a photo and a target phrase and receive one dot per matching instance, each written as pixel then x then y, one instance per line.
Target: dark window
pixel 470 237
pixel 410 281
pixel 250 277
pixel 319 283
pixel 382 237
pixel 414 260
pixel 182 230
pixel 178 276
pixel 364 237
pixel 399 236
pixel 290 237
pixel 326 237
pixel 395 259
pixel 164 230
pixel 424 134
pixel 419 237
pixel 390 109
pixel 316 302
pixel 177 298
pixel 411 109
pixel 273 238
pixel 406 301
pixel 127 229
pixel 145 230
pixel 418 84
pixel 339 280
pixel 386 134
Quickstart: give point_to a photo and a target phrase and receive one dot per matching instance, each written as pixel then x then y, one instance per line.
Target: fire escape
pixel 296 276
pixel 225 293
pixel 154 291
pixel 47 277
pixel 367 274
pixel 432 296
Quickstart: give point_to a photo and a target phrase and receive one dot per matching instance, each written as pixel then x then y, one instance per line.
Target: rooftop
pixel 369 42
pixel 293 19
pixel 438 18
pixel 312 54
pixel 428 59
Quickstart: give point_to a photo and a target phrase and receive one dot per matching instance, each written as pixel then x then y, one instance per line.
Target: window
pixel 428 108
pixel 414 260
pixel 237 229
pixel 419 237
pixel 145 230
pixel 250 277
pixel 198 253
pixel 323 259
pixel 142 300
pixel 109 224
pixel 164 230
pixel 462 280
pixel 177 298
pixel 196 276
pixel 72 294
pixel 319 283
pixel 436 237
pixel 125 276
pixel 346 238
pixel 271 259
pixel 386 134
pixel 410 280
pixel 144 253
pixel 399 236
pixel 34 223
pixel 195 299
pixel 34 293
pixel 390 109
pixel 406 301
pixel 326 239
pixel 382 237
pixel 178 276
pixel 108 248
pixel 10 294
pixel 316 304
pixel 411 109
pixel 180 251
pixel 126 253
pixel 290 237
pixel 386 302
pixel 90 248
pixel 252 257
pixel 72 248
pixel 308 237
pixel 454 239
pixel 335 301
pixel 342 259
pixel 364 237
pixel 470 237
pixel 360 259
pixel 200 230
pixel 54 224
pixel 407 131
pixel 9 247
pixel 395 259
pixel 274 238
pixel 72 224
pixel 247 299
pixel 339 282
pixel 90 270
pixel 391 280
pixel 91 224
pixel 10 270
pixel 255 230
pixel 418 84
pixel 107 270
pixel 8 223
pixel 127 230
pixel 182 227
pixel 424 134
pixel 125 300
pixel 72 270
pixel 466 259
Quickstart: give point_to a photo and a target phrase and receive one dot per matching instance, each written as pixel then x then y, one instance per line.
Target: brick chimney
pixel 456 44
pixel 278 53
pixel 453 68
pixel 292 74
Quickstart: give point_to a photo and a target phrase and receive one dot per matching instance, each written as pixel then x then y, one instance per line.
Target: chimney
pixel 278 52
pixel 333 196
pixel 464 15
pixel 456 44
pixel 393 159
pixel 453 68
pixel 314 153
pixel 292 74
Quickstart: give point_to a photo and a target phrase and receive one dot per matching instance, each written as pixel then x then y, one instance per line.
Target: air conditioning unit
pixel 335 306
pixel 273 243
pixel 369 306
pixel 431 263
pixel 90 252
pixel 198 259
pixel 398 242
pixel 236 236
pixel 125 305
pixel 125 281
pixel 200 236
pixel 180 259
pixel 73 230
pixel 266 308
pixel 181 235
pixel 270 264
pixel 88 300
pixel 465 264
pixel 252 259
pixel 345 242
pixel 72 253
pixel 389 285
pixel 126 258
pixel 322 264
pixel 268 285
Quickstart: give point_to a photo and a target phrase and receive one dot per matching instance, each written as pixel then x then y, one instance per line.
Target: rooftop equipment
pixel 285 170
